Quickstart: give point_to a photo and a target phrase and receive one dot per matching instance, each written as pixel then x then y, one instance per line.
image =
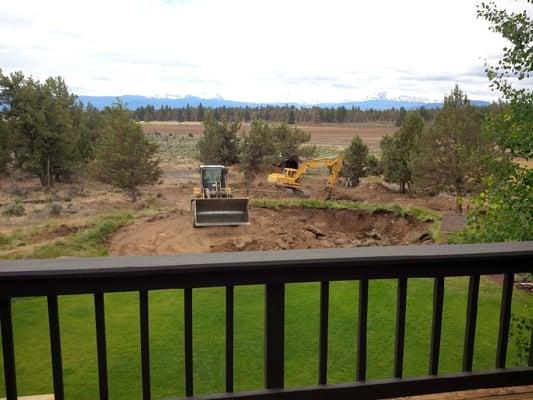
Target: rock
pixel 313 229
pixel 308 235
pixel 281 244
pixel 424 237
pixel 154 218
pixel 525 285
pixel 374 235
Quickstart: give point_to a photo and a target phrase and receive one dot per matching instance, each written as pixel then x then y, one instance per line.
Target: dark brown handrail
pixel 52 278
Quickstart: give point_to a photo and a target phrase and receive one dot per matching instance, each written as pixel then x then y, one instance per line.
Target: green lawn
pixel 302 306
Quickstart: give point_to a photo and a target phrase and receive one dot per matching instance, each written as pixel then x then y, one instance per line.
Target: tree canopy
pixel 39 116
pixel 267 145
pixel 396 150
pixel 504 211
pixel 355 161
pixel 124 157
pixel 449 155
pixel 219 143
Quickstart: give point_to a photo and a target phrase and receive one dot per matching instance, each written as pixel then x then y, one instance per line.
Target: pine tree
pixel 396 150
pixel 449 155
pixel 219 143
pixel 4 147
pixel 355 161
pixel 124 157
pixel 39 117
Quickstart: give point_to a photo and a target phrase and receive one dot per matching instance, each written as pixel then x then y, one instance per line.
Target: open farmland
pixel 321 134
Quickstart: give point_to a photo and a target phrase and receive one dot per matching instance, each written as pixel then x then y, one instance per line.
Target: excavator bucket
pixel 220 212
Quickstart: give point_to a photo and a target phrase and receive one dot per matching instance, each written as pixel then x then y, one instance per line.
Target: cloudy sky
pixel 270 50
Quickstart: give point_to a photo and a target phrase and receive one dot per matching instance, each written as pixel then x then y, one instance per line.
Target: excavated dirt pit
pixel 282 229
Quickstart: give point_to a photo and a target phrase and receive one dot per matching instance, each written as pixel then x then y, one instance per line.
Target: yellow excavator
pixel 291 177
pixel 213 203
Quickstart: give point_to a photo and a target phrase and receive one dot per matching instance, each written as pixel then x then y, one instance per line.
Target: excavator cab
pixel 213 203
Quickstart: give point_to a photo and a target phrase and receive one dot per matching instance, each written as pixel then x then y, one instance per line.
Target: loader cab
pixel 213 177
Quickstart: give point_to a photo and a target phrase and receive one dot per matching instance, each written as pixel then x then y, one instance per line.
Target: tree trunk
pixel 402 187
pixel 458 203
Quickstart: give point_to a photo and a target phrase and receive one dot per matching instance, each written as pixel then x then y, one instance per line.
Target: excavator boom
pixel 290 178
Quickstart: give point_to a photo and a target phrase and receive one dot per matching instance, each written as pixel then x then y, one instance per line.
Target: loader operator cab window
pixel 212 177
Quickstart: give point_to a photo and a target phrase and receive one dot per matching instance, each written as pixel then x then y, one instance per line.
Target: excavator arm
pixel 291 178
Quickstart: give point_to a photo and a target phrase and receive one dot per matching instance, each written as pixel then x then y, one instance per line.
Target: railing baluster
pixel 505 319
pixel 55 347
pixel 530 359
pixel 471 319
pixel 8 349
pixel 361 330
pixel 145 344
pixel 229 338
pixel 274 335
pixel 187 305
pixel 324 319
pixel 101 347
pixel 436 330
pixel 401 305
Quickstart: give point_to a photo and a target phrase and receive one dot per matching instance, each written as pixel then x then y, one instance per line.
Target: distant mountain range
pixel 381 102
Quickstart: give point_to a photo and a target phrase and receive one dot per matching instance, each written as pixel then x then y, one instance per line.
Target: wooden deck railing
pixel 97 276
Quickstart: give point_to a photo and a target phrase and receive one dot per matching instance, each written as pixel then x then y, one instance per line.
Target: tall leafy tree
pixel 396 150
pixel 449 155
pixel 504 211
pixel 124 157
pixel 219 143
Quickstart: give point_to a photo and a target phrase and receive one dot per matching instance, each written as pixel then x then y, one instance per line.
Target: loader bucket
pixel 220 212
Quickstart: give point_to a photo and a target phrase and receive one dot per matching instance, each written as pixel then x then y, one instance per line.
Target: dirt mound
pixel 289 228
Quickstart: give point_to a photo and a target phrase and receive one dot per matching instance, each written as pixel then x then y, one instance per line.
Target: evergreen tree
pixel 219 143
pixel 200 113
pixel 396 150
pixel 89 123
pixel 124 157
pixel 449 155
pixel 289 143
pixel 258 149
pixel 40 119
pixel 355 161
pixel 4 147
pixel 291 119
pixel 401 116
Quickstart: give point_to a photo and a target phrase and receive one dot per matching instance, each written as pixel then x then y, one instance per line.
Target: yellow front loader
pixel 291 177
pixel 213 203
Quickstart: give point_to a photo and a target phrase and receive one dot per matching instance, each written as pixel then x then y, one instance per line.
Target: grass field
pixel 302 316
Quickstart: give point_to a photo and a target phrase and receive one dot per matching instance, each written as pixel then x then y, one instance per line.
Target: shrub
pixel 13 210
pixel 55 208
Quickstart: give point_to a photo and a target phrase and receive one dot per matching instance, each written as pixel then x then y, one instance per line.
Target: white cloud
pixel 251 50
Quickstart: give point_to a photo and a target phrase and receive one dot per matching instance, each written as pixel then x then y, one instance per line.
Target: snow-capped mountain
pixel 380 101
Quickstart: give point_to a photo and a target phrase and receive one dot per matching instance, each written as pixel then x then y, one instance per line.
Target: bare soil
pixel 271 229
pixel 321 134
